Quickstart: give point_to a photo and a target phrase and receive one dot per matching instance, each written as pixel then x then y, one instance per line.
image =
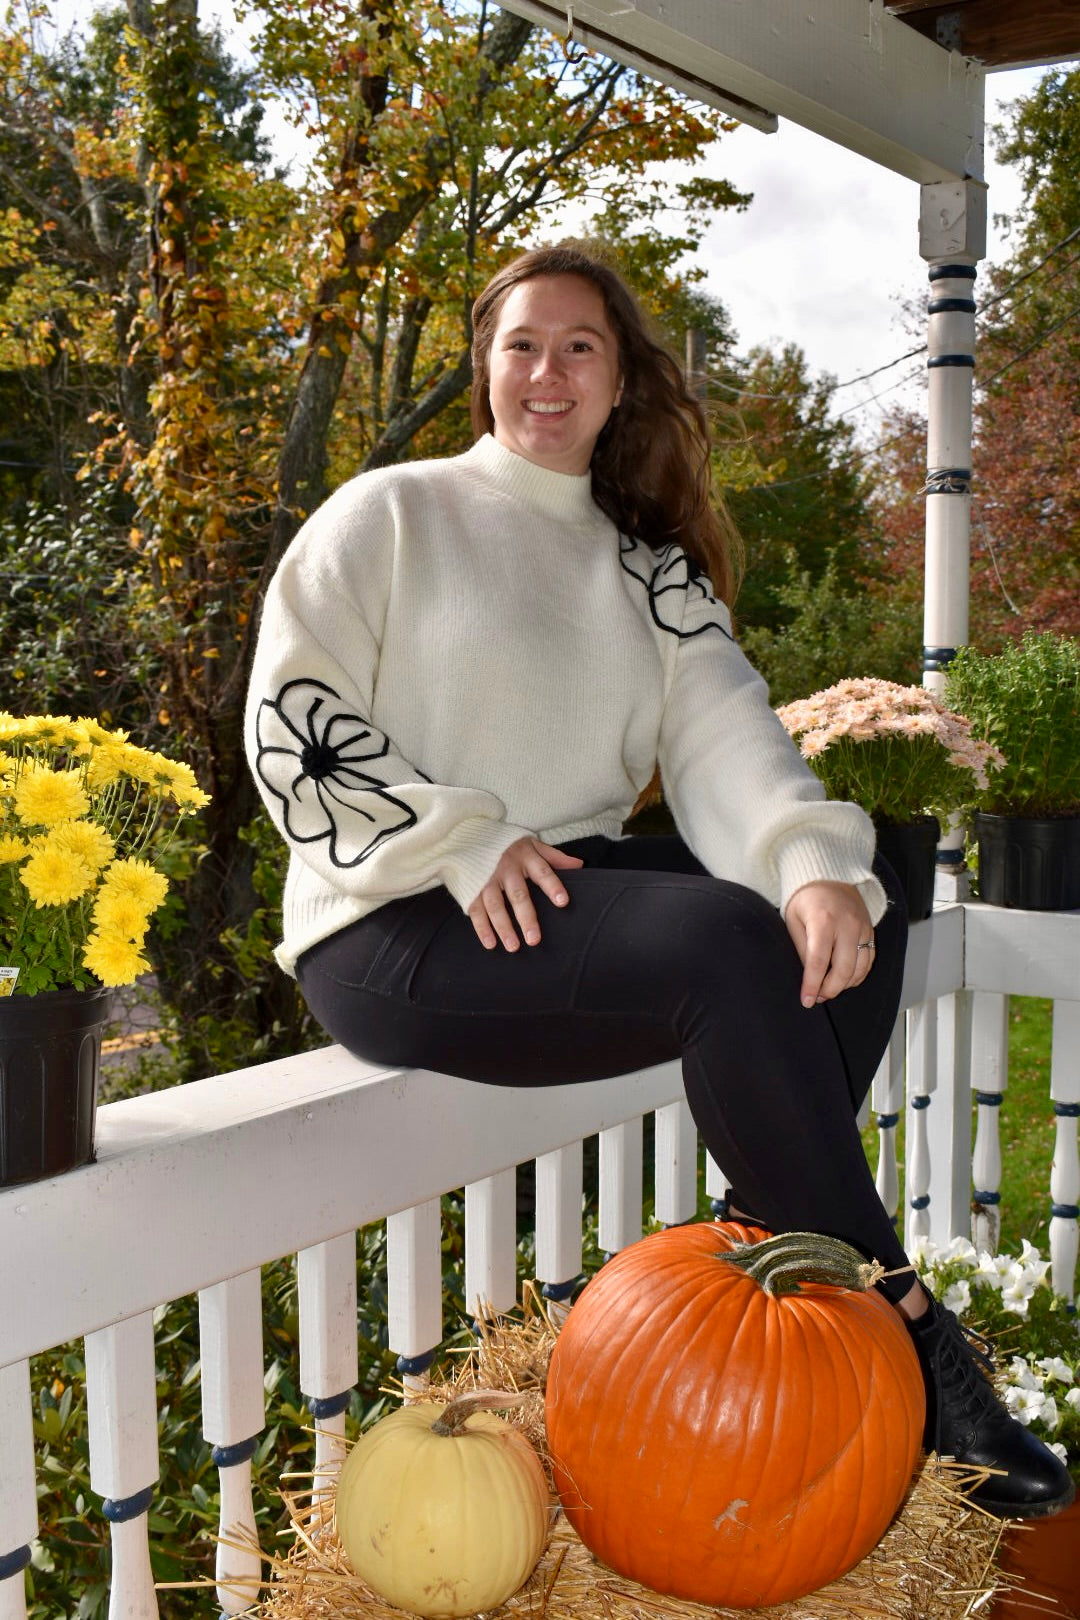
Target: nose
pixel 547 364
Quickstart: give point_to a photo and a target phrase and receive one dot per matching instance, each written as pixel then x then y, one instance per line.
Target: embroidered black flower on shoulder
pixel 315 757
pixel 672 580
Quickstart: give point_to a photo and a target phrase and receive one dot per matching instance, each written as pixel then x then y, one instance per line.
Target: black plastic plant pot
pixel 911 850
pixel 50 1057
pixel 1027 863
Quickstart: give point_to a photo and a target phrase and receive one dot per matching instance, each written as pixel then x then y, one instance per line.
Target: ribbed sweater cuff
pixel 468 859
pixel 821 859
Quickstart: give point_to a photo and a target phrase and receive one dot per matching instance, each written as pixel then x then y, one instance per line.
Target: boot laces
pixel 964 1363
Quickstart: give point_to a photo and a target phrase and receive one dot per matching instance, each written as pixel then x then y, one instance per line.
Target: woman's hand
pixel 829 923
pixel 507 891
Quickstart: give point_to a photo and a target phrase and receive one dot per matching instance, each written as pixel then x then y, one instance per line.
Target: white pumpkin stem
pixel 781 1263
pixel 452 1419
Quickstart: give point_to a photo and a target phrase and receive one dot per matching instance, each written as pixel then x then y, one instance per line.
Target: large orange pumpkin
pixel 720 1439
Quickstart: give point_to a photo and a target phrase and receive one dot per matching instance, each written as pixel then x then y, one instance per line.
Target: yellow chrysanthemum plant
pixel 84 816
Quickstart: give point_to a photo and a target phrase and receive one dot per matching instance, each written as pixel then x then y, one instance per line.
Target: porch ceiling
pixel 871 75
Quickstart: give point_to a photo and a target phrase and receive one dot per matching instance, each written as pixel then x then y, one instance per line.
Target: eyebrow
pixel 522 331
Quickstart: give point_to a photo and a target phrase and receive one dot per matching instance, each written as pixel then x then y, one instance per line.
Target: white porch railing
pixel 195 1188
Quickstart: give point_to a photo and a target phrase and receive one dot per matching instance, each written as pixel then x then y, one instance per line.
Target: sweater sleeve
pixel 366 820
pixel 741 795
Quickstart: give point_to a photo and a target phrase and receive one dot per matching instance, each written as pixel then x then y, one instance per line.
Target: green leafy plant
pixel 1026 701
pixel 1036 1339
pixel 82 812
pixel 895 750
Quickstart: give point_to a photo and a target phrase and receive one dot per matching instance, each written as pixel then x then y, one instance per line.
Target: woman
pixel 467 672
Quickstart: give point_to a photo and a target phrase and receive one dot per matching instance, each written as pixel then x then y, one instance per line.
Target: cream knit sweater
pixel 454 653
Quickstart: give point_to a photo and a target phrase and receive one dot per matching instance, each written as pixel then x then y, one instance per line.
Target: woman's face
pixel 553 371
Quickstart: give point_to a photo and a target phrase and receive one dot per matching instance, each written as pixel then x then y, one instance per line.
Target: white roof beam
pixel 846 69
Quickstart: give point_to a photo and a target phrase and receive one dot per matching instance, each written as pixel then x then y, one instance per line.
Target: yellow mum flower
pixel 138 880
pixel 107 764
pixel 87 840
pixel 54 876
pixel 179 779
pixel 44 797
pixel 119 913
pixel 115 960
pixel 12 849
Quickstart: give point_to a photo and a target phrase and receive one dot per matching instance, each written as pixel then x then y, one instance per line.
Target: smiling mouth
pixel 539 407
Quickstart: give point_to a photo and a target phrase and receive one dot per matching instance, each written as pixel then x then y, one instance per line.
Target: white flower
pixel 1021 1374
pixel 1059 1451
pixel 925 1252
pixel 994 1268
pixel 1032 1406
pixel 959 1248
pixel 1055 1367
pixel 1073 1399
pixel 957 1297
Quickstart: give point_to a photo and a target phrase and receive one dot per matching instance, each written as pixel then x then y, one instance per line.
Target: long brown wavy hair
pixel 650 469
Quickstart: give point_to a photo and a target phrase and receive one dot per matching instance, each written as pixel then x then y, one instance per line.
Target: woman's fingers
pixel 505 905
pixel 831 929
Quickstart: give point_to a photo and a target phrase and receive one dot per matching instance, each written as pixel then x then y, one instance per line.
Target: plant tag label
pixel 8 975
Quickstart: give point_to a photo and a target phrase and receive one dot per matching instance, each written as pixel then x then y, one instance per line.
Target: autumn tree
pixel 260 338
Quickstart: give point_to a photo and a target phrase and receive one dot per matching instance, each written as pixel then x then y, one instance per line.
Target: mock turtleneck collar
pixel 565 496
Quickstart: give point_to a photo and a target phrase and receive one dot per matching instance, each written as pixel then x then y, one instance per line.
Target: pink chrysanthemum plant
pixel 895 750
pixel 84 816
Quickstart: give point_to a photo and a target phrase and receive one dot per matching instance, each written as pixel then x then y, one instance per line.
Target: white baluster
pixel 18 1489
pixel 329 1365
pixel 491 1244
pixel 717 1185
pixel 989 1079
pixel 414 1291
pixel 922 1082
pixel 621 1178
pixel 559 1181
pixel 887 1099
pixel 676 1164
pixel 121 1421
pixel 233 1404
pixel 1065 1173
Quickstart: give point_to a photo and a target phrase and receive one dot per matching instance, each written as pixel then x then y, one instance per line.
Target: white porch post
pixel 952 238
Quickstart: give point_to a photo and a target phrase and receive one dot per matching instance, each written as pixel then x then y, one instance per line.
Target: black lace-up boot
pixel 966 1420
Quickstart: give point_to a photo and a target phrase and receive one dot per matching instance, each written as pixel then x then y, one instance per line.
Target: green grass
pixel 1026 1122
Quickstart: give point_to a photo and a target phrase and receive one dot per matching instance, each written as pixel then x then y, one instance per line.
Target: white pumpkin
pixel 443 1511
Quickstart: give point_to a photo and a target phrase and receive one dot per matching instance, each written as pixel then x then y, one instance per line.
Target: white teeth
pixel 544 409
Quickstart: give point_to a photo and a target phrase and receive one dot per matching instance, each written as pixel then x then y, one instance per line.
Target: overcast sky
pixel 826 253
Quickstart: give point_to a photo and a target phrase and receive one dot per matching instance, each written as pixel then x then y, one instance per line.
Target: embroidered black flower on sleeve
pixel 672 581
pixel 315 757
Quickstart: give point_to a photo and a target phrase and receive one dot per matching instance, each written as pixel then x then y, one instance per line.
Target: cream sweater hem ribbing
pixel 456 652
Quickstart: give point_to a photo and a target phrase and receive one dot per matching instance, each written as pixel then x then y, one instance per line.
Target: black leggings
pixel 652 959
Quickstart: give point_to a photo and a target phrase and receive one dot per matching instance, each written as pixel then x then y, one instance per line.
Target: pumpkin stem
pixel 781 1263
pixel 453 1417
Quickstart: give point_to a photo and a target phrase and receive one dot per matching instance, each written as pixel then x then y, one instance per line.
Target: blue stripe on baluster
pixel 922 1101
pixel 13 1563
pixel 989 1099
pixel 922 1202
pixel 985 1197
pixel 1067 1110
pixel 122 1508
pixel 229 1456
pixel 888 1122
pixel 560 1291
pixel 414 1366
pixel 328 1406
pixel 1067 1212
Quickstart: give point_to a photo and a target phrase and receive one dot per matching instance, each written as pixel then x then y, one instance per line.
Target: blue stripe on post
pixel 952 272
pixel 938 657
pixel 951 306
pixel 986 1197
pixel 937 361
pixel 1066 1212
pixel 886 1122
pixel 920 1102
pixel 123 1508
pixel 328 1406
pixel 13 1563
pixel 922 1202
pixel 989 1099
pixel 230 1456
pixel 413 1366
pixel 948 481
pixel 560 1291
pixel 1067 1110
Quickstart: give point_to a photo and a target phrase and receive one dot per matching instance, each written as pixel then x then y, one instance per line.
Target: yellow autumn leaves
pixel 80 812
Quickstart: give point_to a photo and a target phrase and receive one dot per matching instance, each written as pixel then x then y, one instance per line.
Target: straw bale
pixel 937 1561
